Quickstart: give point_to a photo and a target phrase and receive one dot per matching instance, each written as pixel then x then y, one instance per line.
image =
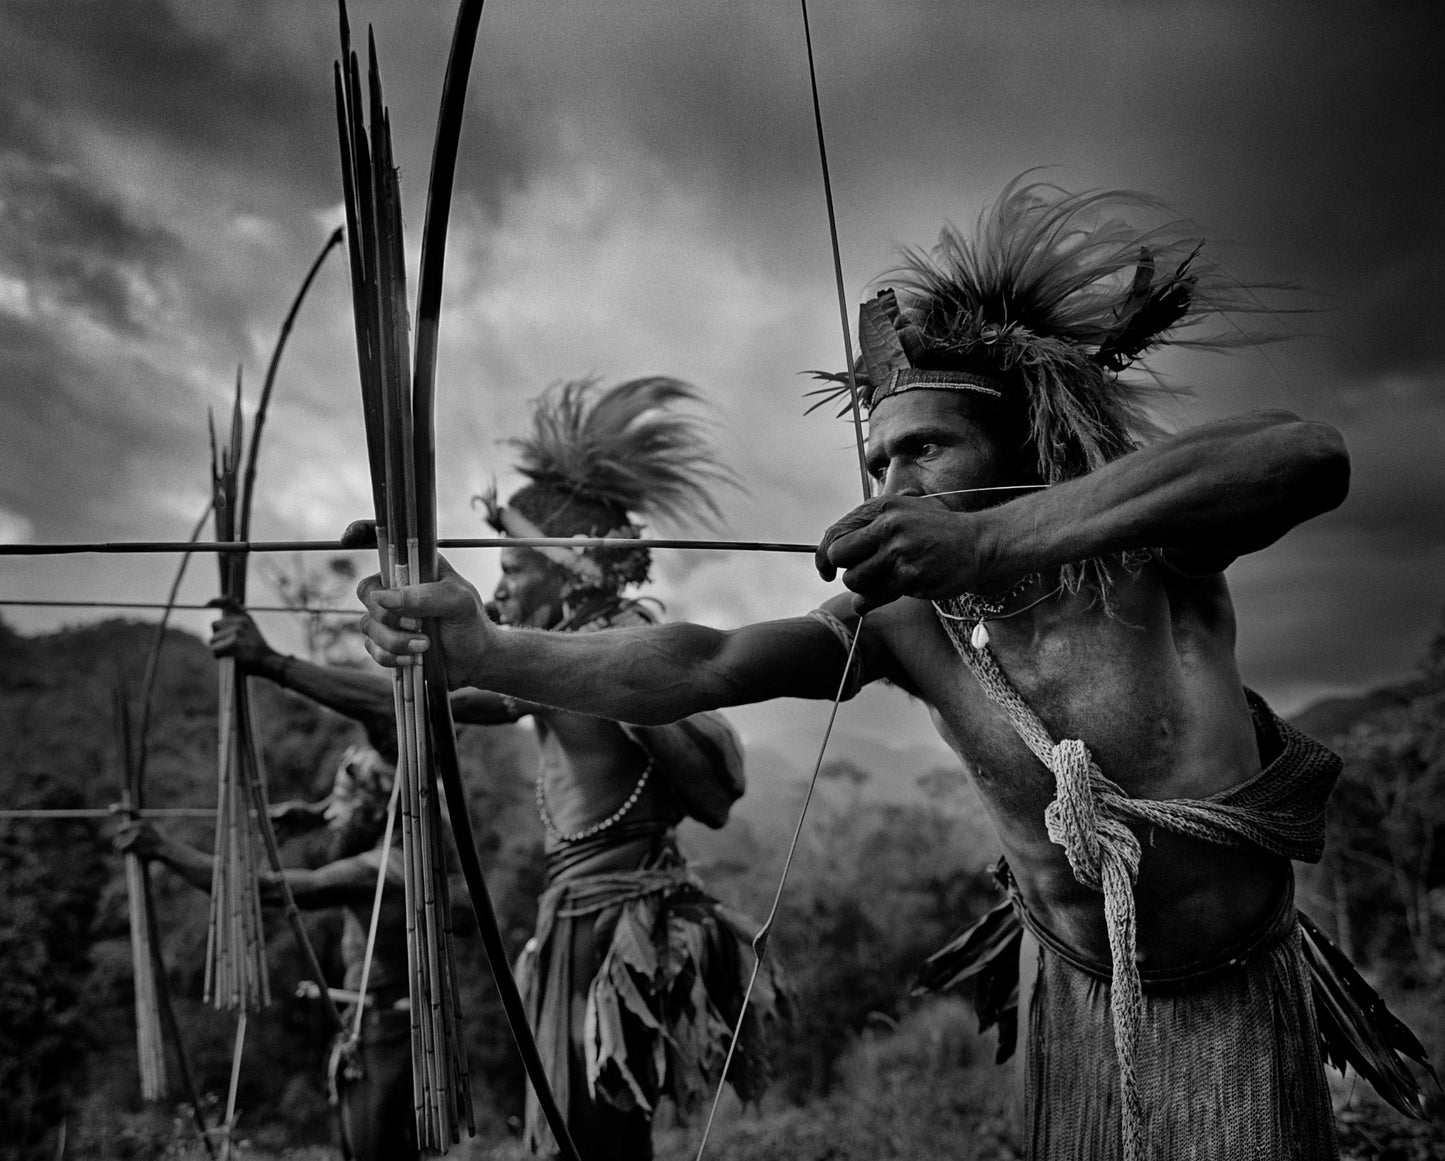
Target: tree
pixel 330 639
pixel 1389 823
pixel 876 888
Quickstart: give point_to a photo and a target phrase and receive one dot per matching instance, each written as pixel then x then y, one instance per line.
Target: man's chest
pixel 588 766
pixel 1072 681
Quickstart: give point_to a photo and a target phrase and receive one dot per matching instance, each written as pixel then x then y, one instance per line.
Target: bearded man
pixel 370 1078
pixel 635 975
pixel 1047 574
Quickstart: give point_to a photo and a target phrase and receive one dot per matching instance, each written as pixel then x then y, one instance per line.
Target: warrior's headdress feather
pixel 624 449
pixel 600 461
pixel 1052 299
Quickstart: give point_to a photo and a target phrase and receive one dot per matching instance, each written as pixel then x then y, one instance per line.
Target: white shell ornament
pixel 979 638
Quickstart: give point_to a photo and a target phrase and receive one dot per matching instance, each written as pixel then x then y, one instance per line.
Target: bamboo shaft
pixel 234 1087
pixel 400 455
pixel 246 547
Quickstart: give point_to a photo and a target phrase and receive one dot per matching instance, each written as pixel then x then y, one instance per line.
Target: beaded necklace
pixel 597 827
pixel 580 621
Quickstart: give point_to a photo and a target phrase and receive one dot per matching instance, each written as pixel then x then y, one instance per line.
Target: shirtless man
pixel 609 795
pixel 370 1081
pixel 1085 606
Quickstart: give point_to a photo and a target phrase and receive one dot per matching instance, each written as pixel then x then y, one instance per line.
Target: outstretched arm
pixel 350 881
pixel 1204 497
pixel 362 695
pixel 140 838
pixel 365 696
pixel 646 675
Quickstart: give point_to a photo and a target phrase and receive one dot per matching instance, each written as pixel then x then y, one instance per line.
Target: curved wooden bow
pixel 422 500
pixel 760 941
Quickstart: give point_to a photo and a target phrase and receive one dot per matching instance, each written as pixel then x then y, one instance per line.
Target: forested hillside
pixel 878 884
pixel 67 1041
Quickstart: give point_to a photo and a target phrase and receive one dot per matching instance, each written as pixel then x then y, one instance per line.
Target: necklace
pixel 978 609
pixel 973 606
pixel 597 827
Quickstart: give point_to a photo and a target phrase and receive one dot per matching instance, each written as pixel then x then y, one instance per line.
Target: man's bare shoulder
pixel 890 635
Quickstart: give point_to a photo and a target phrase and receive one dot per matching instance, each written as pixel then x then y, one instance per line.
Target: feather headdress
pixel 1042 310
pixel 600 461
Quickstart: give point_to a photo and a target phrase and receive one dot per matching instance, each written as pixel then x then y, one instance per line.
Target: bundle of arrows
pixel 236 976
pixel 441 1089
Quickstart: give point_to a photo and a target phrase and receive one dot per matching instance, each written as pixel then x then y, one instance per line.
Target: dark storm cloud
pixel 1307 135
pixel 132 80
pixel 135 70
pixel 1303 139
pixel 81 458
pixel 240 89
pixel 76 246
pixel 1322 132
pixel 161 170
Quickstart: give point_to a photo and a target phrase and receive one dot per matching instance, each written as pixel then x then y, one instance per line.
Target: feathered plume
pixel 597 461
pixel 623 449
pixel 1055 295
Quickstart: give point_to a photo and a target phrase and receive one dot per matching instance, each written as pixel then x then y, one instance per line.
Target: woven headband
pixel 907 379
pixel 883 339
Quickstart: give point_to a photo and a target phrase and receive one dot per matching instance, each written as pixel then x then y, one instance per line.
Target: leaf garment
pixel 645 1011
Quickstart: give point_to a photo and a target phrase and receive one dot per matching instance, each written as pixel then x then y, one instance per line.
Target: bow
pixel 760 940
pixel 401 444
pixel 135 762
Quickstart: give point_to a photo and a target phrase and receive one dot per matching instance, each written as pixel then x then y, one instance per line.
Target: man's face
pixel 356 809
pixel 353 819
pixel 924 442
pixel 530 591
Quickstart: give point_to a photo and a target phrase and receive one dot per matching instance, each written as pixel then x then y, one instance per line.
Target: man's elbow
pixel 1310 467
pixel 1324 466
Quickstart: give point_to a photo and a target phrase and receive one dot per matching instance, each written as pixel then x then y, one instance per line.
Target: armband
pixel 853 681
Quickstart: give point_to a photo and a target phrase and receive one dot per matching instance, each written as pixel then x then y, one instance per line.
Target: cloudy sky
pixel 640 194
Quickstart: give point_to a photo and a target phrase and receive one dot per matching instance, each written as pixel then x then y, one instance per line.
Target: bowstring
pixel 760 940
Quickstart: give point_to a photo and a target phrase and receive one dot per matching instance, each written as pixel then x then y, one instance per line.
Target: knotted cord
pixel 1089 818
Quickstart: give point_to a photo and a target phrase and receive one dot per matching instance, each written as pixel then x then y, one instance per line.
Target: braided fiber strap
pixel 1280 810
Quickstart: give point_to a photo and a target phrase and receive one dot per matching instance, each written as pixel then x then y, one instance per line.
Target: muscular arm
pixel 1204 497
pixel 365 696
pixel 654 674
pixel 346 881
pixel 702 761
pixel 349 882
pixel 645 675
